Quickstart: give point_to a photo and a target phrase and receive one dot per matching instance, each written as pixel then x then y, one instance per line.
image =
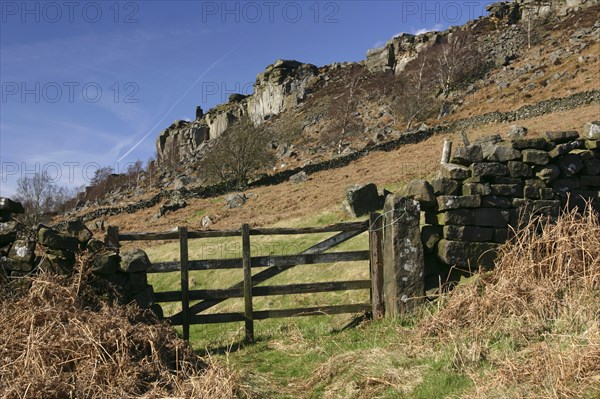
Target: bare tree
pixel 456 61
pixel 415 98
pixel 342 112
pixel 238 152
pixel 40 197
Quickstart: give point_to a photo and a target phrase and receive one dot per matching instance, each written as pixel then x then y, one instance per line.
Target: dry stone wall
pixel 56 252
pixel 490 188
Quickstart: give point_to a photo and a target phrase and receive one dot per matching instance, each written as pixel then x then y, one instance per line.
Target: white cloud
pixel 435 28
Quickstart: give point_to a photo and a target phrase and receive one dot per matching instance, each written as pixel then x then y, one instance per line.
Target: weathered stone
pixel 445 186
pixel 591 130
pixel 537 143
pixel 453 252
pixel 489 169
pixel 53 239
pixel 172 205
pixel 502 153
pixel 299 177
pixel 363 199
pixel 519 169
pixel 536 157
pixel 476 189
pixel 485 217
pixel 134 261
pixel 548 173
pixel 430 236
pixel 570 164
pixel 507 190
pixel 67 256
pixel 528 207
pixel 492 201
pixel 60 265
pixel 77 229
pixel 454 171
pixel 421 191
pixel 235 200
pixel 105 263
pixel 467 155
pixel 446 202
pixel 535 182
pixel 23 250
pixel 517 132
pixel 468 233
pixel 8 232
pixel 145 298
pixel 8 205
pixel 563 149
pixel 404 279
pixel 593 181
pixel 506 180
pixel 561 137
pixel 501 235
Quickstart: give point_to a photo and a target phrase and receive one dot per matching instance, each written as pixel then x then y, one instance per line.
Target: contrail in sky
pixel 214 64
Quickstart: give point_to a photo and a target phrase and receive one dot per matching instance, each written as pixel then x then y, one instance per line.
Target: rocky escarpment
pixel 283 85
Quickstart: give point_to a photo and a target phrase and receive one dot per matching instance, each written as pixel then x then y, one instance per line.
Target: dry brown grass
pixel 535 319
pixel 61 340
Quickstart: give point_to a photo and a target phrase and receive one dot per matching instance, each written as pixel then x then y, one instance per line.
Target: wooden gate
pixel 247 289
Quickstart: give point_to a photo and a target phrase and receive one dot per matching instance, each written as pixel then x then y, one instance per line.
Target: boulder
pixel 517 132
pixel 548 173
pixel 501 153
pixel 537 143
pixel 519 169
pixel 13 265
pixel 134 261
pixel 446 202
pixel 362 199
pixel 172 205
pixel 235 200
pixel 206 222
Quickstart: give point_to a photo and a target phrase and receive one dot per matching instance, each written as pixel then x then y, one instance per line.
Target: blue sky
pixel 86 84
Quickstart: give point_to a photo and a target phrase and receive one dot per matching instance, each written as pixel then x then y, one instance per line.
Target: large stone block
pixel 53 239
pixel 362 199
pixel 404 276
pixel 467 155
pixel 537 143
pixel 502 153
pixel 105 263
pixel 430 236
pixel 493 201
pixel 446 202
pixel 77 229
pixel 454 171
pixel 421 191
pixel 485 217
pixel 561 137
pixel 445 186
pixel 15 265
pixel 489 169
pixel 453 252
pixel 548 173
pixel 536 157
pixel 564 149
pixel 591 130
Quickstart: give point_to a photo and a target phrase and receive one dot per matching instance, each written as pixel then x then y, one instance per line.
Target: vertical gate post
pixel 376 264
pixel 403 262
pixel 248 312
pixel 185 289
pixel 111 238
